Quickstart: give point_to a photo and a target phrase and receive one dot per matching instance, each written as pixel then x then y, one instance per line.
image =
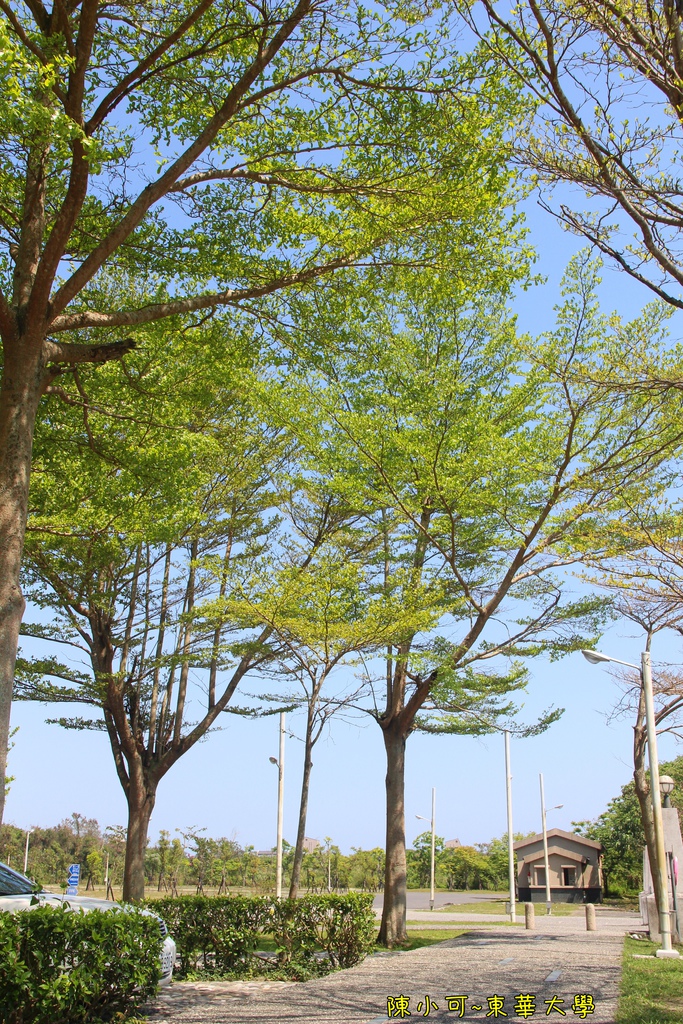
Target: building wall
pixel 563 895
pixel 575 872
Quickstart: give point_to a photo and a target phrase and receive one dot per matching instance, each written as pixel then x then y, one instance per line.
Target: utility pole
pixel 511 853
pixel 280 762
pixel 546 861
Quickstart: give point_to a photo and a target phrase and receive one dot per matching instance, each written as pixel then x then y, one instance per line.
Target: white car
pixel 18 893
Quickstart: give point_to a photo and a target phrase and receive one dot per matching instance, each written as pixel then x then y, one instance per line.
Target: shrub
pixel 214 933
pixel 74 967
pixel 312 935
pixel 341 926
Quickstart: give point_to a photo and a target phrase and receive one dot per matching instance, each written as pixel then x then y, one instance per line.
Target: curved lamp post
pixel 659 869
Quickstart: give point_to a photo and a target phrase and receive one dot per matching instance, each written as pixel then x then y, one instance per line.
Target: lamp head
pixel 595 657
pixel 273 760
pixel 666 785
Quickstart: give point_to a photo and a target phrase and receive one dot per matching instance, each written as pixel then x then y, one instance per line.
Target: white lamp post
pixel 659 869
pixel 546 860
pixel 433 824
pixel 28 833
pixel 280 762
pixel 511 854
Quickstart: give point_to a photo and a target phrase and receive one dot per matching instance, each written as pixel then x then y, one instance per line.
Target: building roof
pixel 531 858
pixel 557 833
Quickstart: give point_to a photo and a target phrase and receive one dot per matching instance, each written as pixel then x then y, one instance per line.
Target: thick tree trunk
pixel 20 393
pixel 141 799
pixel 303 810
pixel 393 928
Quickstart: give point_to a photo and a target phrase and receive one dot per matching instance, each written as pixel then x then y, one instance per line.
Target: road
pixel 419 899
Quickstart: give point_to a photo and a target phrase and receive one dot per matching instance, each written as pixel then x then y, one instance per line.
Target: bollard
pixel 590 918
pixel 529 917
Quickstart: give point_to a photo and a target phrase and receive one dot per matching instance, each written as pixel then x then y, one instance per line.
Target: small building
pixel 575 868
pixel 452 844
pixel 311 844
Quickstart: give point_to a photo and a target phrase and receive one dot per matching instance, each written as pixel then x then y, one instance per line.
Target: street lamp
pixel 280 762
pixel 666 786
pixel 546 860
pixel 433 823
pixel 28 833
pixel 511 854
pixel 659 868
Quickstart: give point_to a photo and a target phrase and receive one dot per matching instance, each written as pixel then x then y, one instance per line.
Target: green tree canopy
pixel 484 459
pixel 226 152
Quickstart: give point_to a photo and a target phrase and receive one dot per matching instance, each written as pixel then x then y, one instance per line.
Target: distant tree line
pixel 188 860
pixel 191 860
pixel 207 865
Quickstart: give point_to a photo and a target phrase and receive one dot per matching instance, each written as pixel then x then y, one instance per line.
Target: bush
pixel 312 935
pixel 74 967
pixel 213 933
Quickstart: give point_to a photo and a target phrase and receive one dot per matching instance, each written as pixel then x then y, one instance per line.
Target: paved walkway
pixel 559 959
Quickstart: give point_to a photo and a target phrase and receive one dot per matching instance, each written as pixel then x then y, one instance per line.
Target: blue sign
pixel 73 879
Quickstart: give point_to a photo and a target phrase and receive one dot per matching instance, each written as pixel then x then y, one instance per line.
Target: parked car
pixel 19 893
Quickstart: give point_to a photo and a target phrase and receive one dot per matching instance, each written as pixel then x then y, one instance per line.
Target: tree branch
pixel 78 176
pixel 58 353
pixel 7 325
pixel 159 188
pixel 115 95
pixel 241 174
pixel 173 307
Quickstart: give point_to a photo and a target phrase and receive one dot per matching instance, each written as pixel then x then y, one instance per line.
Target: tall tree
pixel 125 535
pixel 493 455
pixel 325 616
pixel 230 151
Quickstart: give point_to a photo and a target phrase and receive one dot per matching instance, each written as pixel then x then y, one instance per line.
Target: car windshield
pixel 14 884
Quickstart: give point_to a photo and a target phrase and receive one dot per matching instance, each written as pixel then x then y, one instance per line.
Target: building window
pixel 569 876
pixel 540 876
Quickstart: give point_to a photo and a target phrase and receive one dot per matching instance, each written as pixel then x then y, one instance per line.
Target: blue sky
pixel 227 785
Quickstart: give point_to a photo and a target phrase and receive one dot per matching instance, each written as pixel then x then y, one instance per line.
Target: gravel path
pixel 559 959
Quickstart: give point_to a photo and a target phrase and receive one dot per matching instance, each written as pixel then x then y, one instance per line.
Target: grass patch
pixel 651 990
pixel 417 938
pixel 498 907
pixel 621 902
pixel 421 925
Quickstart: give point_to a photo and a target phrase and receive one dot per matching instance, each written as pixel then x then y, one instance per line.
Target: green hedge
pixel 76 968
pixel 221 934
